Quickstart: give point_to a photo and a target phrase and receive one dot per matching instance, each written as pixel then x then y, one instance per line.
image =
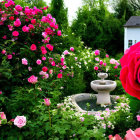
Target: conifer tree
pixel 59 11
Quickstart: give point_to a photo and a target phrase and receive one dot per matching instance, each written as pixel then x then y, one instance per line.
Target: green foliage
pixel 134 103
pixel 123 9
pixel 60 13
pixel 98 28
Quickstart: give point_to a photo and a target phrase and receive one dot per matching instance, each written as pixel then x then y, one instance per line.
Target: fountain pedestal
pixel 103 98
pixel 103 87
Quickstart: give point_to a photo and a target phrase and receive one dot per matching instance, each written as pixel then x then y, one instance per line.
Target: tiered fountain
pixel 103 87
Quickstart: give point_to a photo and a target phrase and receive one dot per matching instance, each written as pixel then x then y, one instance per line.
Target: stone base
pixel 103 98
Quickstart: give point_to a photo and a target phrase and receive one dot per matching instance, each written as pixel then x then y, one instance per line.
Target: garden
pixel 44 62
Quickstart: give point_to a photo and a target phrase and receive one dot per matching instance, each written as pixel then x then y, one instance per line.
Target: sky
pixel 72 6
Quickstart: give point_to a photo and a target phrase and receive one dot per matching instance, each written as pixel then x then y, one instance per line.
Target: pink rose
pixel 50 71
pixel 47 102
pixel 107 55
pixel 38 62
pixel 116 137
pixel 104 64
pixel 112 61
pixel 133 135
pixel 25 29
pixel 17 23
pixel 96 68
pixel 138 117
pixel 15 33
pixel 97 52
pixel 59 32
pixel 46 76
pixel 30 68
pixel 0 92
pixel 33 47
pixel 33 21
pixel 130 72
pixel 3 51
pixel 2 115
pixel 18 8
pixel 101 62
pixel 71 49
pixel 31 26
pixel 53 63
pixel 24 61
pixel 9 56
pixel 20 121
pixel 66 52
pixel 32 79
pixel 43 58
pixel 50 47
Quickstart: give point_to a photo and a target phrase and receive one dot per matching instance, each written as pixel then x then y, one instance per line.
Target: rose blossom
pixel 138 117
pixel 18 8
pixel 38 62
pixel 9 56
pixel 130 72
pixel 59 75
pixel 2 115
pixel 32 79
pixel 97 52
pixel 24 61
pixel 112 61
pixel 20 121
pixel 59 32
pixel 25 29
pixel 4 37
pixel 71 49
pixel 133 135
pixel 66 52
pixel 107 55
pixel 47 102
pixel 43 58
pixel 17 23
pixel 101 62
pixel 96 68
pixel 46 76
pixel 3 51
pixel 30 68
pixel 33 21
pixel 97 59
pixel 0 92
pixel 33 47
pixel 44 69
pixel 50 47
pixel 15 33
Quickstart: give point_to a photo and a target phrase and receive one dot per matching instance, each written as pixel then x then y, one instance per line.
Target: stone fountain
pixel 103 88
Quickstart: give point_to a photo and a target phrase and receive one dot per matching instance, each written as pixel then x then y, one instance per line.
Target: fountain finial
pixel 102 76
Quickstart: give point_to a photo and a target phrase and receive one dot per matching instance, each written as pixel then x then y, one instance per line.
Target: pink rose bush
pixel 130 72
pixel 20 121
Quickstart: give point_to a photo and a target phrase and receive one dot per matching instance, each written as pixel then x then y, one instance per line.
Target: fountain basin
pixel 103 90
pixel 79 101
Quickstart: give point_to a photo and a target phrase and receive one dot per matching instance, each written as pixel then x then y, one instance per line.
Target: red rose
pixel 33 47
pixel 59 75
pixel 44 69
pixel 130 72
